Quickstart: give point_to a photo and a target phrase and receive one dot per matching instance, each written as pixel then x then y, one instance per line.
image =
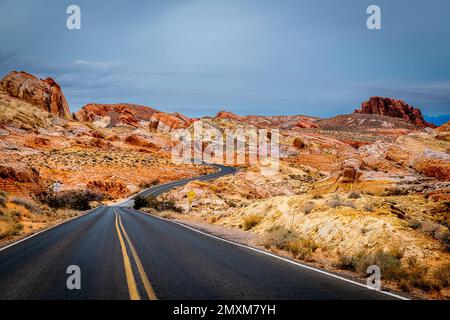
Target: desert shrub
pixel 410 274
pixel 301 248
pixel 415 224
pixel 336 201
pixel 168 214
pixel 442 275
pixel 232 203
pixel 140 202
pixel 251 221
pixel 17 228
pixel 71 199
pixel 395 192
pixel 389 264
pixel 309 207
pixel 347 262
pixel 278 237
pixel 153 203
pixel 27 204
pixel 3 198
pixel 284 239
pixel 354 195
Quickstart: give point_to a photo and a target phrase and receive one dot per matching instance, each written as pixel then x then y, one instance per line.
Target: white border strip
pixel 47 229
pixel 279 257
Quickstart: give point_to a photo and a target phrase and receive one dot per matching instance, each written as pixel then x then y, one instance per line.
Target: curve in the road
pixel 126 254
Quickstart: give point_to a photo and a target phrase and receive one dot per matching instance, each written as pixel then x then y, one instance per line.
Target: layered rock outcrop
pixel 165 122
pixel 44 94
pixel 104 115
pixel 20 114
pixel 394 108
pixel 20 178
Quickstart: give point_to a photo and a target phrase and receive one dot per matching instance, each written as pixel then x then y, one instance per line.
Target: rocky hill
pixel 115 114
pixel 44 94
pixel 394 108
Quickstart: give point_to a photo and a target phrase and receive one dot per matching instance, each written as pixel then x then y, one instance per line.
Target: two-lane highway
pixel 126 254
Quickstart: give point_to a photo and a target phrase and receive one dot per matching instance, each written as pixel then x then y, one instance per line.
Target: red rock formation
pixel 136 140
pixel 229 115
pixel 45 94
pixel 165 122
pixel 112 189
pixel 278 122
pixel 120 114
pixel 350 170
pixel 394 108
pixel 307 124
pixel 432 166
pixel 20 179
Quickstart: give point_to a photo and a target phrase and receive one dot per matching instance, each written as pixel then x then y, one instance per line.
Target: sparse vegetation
pixel 281 238
pixel 251 221
pixel 442 275
pixel 152 203
pixel 3 198
pixel 277 237
pixel 388 262
pixel 354 195
pixel 71 199
pixel 28 204
pixel 408 274
pixel 336 201
pixel 301 248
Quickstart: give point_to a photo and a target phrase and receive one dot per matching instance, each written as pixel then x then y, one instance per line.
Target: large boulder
pixel 350 170
pixel 394 108
pixel 44 94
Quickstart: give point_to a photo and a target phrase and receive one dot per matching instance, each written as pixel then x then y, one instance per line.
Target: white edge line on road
pixel 45 230
pixel 278 257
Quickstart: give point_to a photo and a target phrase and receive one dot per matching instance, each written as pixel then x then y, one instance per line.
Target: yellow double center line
pixel 131 281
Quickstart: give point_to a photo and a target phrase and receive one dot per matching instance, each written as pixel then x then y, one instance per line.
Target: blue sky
pixel 313 57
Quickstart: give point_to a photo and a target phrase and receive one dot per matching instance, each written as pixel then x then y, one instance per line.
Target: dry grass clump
pixel 354 195
pixel 3 198
pixel 436 230
pixel 408 274
pixel 336 201
pixel 442 275
pixel 281 238
pixel 389 263
pixel 28 204
pixel 251 221
pixel 10 218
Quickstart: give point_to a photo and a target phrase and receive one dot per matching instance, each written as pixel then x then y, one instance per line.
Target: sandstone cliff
pixel 394 108
pixel 44 94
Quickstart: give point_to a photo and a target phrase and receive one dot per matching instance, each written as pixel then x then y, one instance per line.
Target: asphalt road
pixel 157 190
pixel 125 254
